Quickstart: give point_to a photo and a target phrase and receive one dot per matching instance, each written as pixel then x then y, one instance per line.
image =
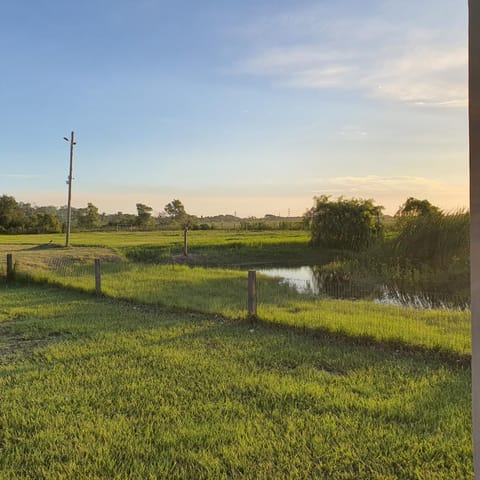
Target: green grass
pixel 224 292
pixel 94 388
pixel 160 238
pixel 209 248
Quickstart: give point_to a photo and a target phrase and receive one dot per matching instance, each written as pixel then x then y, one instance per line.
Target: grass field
pixel 210 248
pixel 97 388
pixel 223 291
pixel 161 238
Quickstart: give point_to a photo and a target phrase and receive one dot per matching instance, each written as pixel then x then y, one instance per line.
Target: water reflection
pixel 315 281
pixel 303 279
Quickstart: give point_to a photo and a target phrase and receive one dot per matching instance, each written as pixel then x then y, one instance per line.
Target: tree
pixel 413 207
pixel 345 224
pixel 88 217
pixel 12 216
pixel 144 215
pixel 45 223
pixel 176 211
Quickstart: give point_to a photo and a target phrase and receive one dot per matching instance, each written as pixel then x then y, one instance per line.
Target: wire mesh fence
pixel 421 319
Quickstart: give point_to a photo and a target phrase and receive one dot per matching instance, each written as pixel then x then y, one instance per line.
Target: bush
pixel 345 224
pixel 434 240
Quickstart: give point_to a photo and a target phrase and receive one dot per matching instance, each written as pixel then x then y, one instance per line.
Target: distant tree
pixel 120 218
pixel 144 215
pixel 45 223
pixel 88 217
pixel 47 209
pixel 28 209
pixel 345 224
pixel 12 216
pixel 176 211
pixel 413 207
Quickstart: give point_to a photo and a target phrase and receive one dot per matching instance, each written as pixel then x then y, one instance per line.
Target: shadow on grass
pixel 395 346
pixel 66 302
pixel 396 413
pixel 46 246
pixel 234 254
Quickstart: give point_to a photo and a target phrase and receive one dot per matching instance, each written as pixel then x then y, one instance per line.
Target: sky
pixel 246 108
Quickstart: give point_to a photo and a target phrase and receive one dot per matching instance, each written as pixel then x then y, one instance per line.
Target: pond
pixel 303 279
pixel 310 280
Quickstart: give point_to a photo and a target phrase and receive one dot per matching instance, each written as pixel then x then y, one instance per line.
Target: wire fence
pixel 423 319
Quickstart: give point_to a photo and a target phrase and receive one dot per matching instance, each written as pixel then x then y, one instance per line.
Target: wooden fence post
pixel 185 242
pixel 10 271
pixel 98 277
pixel 252 293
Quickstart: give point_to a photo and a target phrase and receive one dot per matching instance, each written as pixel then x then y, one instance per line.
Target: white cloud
pixel 353 133
pixel 384 184
pixel 384 60
pixel 332 75
pixel 433 76
pixel 284 60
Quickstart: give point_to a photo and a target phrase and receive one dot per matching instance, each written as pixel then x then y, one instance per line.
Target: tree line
pixel 20 217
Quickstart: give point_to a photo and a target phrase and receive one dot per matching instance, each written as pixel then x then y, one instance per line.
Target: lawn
pixel 98 388
pixel 224 292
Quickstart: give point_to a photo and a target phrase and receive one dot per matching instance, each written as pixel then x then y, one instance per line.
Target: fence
pixel 426 320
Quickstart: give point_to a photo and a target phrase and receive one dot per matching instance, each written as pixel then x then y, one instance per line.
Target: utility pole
pixel 69 183
pixel 474 116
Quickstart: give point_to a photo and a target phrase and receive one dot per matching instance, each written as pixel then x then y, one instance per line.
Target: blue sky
pixel 251 107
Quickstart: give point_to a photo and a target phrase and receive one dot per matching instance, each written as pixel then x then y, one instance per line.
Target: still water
pixel 308 280
pixel 303 279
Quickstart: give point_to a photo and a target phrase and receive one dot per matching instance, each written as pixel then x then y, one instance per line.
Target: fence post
pixel 185 242
pixel 98 277
pixel 252 293
pixel 10 271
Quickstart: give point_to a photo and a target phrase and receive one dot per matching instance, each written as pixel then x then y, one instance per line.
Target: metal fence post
pixel 252 293
pixel 98 277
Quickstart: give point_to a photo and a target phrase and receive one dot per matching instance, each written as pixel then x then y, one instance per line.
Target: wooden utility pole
pixel 69 182
pixel 474 117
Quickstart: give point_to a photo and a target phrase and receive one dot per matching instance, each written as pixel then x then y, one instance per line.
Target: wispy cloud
pixel 429 76
pixel 284 60
pixel 353 133
pixel 376 183
pixel 381 59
